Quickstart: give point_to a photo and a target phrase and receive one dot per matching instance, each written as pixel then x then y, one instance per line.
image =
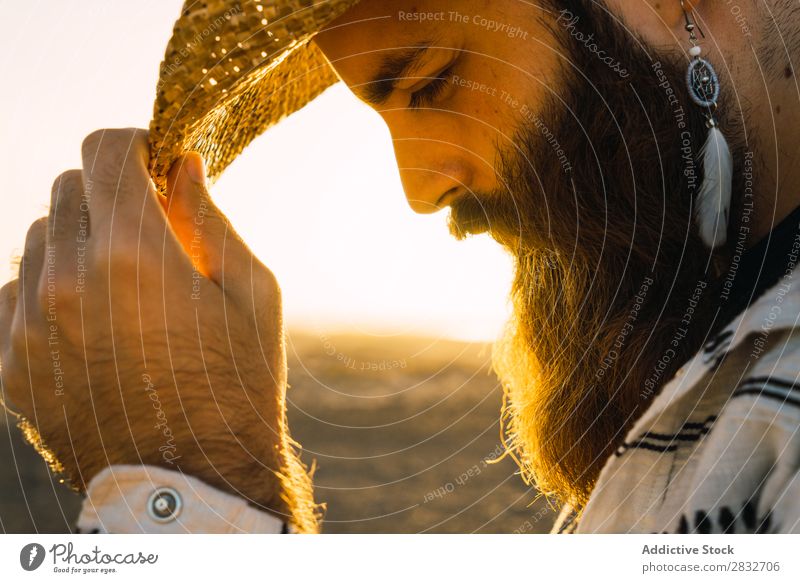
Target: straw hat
pixel 232 69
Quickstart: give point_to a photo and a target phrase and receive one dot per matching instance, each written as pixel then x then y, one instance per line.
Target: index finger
pixel 115 176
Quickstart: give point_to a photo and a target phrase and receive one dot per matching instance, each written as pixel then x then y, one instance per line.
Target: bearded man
pixel 652 361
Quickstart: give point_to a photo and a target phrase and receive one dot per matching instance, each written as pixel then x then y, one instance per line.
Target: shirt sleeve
pixel 148 499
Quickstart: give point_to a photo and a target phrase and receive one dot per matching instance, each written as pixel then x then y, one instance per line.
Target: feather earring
pixel 713 201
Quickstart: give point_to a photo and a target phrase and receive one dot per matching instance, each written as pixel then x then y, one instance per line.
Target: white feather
pixel 713 202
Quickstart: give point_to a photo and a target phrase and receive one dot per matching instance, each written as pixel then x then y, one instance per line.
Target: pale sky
pixel 317 198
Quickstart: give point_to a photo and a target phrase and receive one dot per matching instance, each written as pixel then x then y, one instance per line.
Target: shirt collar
pixel 759 268
pixel 764 298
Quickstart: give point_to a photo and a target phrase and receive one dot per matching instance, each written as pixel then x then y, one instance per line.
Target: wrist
pixel 130 498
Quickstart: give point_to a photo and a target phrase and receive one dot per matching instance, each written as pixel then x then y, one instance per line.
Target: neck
pixel 776 145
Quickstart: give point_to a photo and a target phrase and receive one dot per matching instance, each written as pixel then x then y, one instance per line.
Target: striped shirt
pixel 718 450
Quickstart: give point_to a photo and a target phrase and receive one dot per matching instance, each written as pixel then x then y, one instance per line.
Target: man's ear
pixel 677 8
pixel 669 11
pixel 659 22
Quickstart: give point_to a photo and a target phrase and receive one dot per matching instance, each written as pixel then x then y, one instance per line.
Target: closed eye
pixel 427 95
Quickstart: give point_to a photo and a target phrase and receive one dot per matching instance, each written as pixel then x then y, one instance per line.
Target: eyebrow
pixel 394 67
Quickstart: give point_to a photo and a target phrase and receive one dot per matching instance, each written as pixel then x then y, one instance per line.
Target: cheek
pixel 483 120
pixel 515 80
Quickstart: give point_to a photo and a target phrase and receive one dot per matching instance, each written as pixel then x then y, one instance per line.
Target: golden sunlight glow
pixel 318 198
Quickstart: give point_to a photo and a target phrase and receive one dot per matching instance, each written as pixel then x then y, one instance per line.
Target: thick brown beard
pixel 607 261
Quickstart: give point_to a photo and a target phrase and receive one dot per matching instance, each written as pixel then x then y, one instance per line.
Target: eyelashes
pixel 427 95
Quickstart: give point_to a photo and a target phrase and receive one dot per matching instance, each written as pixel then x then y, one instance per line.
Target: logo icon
pixel 31 556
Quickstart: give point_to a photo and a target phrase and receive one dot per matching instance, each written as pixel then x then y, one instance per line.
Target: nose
pixel 433 175
pixel 428 190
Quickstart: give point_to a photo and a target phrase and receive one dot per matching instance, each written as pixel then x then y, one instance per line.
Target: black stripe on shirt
pixel 690 432
pixel 783 383
pixel 769 394
pixel 716 350
pixel 644 445
pixel 778 389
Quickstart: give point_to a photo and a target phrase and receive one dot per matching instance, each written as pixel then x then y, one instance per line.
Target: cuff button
pixel 164 505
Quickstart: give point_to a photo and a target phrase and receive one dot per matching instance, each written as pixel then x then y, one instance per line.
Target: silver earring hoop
pixel 713 201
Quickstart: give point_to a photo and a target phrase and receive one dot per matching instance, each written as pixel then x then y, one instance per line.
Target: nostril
pixel 447 197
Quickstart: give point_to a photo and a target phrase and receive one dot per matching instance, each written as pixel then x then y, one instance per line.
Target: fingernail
pixel 195 168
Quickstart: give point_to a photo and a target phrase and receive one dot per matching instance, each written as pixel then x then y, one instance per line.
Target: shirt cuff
pixel 150 499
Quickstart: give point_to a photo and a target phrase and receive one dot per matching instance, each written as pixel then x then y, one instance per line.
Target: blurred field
pixel 402 431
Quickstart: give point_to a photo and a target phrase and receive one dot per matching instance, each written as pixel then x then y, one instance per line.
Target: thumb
pixel 205 233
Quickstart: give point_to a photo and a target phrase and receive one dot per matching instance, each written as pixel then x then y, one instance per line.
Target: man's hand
pixel 142 330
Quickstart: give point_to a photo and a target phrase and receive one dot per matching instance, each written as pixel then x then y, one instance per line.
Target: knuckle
pixel 140 137
pixel 116 162
pixel 8 295
pixel 105 173
pixel 66 187
pixel 113 140
pixel 34 238
pixel 64 204
pixel 36 230
pixel 91 143
pixel 103 154
pixel 268 279
pixel 68 183
pixel 266 287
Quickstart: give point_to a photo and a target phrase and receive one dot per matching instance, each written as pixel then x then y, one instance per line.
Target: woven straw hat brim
pixel 231 70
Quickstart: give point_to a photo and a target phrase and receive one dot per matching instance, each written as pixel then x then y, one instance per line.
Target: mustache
pixel 502 215
pixel 532 200
pixel 516 218
pixel 472 214
pixel 503 211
